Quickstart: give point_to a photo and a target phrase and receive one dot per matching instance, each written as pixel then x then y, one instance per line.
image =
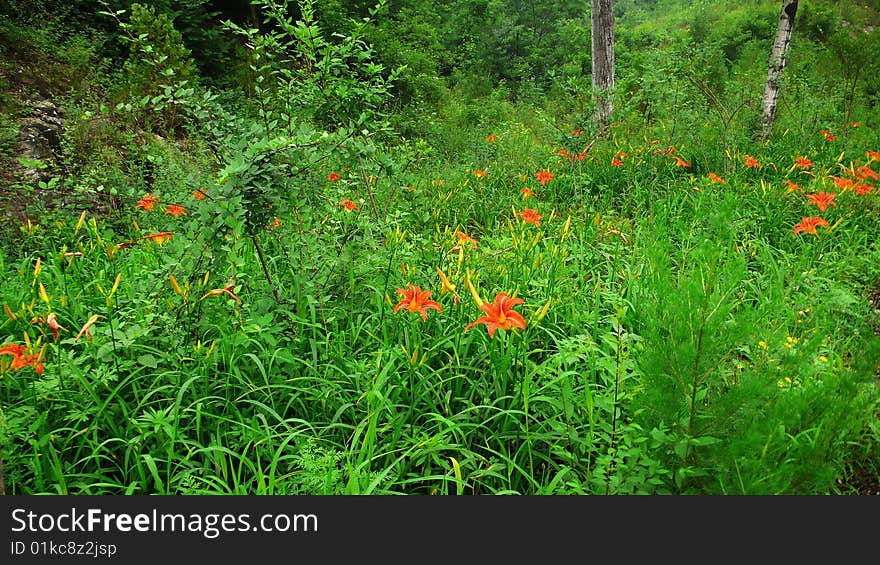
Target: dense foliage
pixel 337 247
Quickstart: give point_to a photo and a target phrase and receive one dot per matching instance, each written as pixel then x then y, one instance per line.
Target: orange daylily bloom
pixel 147 202
pixel 544 176
pixel 803 163
pixel 822 199
pixel 562 153
pixel 872 155
pixel 809 225
pixel 751 162
pixel 791 186
pixel 22 358
pixel 52 321
pixel 681 162
pixel 416 300
pixel 864 172
pixel 200 194
pixel 225 290
pixel 349 205
pixel 86 329
pixel 500 315
pixel 490 138
pixel 465 239
pixel 855 124
pixel 716 179
pixel 828 135
pixel 615 162
pixel 862 189
pixel 530 216
pixel 175 210
pixel 479 173
pixel 159 238
pixel 577 131
pixel 842 183
pixel 333 177
pixel 527 192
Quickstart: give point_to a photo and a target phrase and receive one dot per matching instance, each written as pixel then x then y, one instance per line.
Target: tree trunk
pixel 777 63
pixel 602 39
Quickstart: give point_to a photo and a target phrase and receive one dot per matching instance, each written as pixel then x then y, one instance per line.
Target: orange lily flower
pixel 615 162
pixel 21 357
pixel 681 162
pixel 333 177
pixel 225 290
pixel 751 162
pixel 147 202
pixel 527 192
pixel 803 163
pixel 822 199
pixel 716 179
pixel 465 239
pixel 864 172
pixel 200 194
pixel 86 329
pixel 828 135
pixel 490 138
pixel 175 210
pixel 791 186
pixel 416 300
pixel 159 238
pixel 809 225
pixel 530 216
pixel 479 173
pixel 54 325
pixel 544 176
pixel 500 315
pixel 348 205
pixel 577 131
pixel 842 183
pixel 862 189
pixel 872 155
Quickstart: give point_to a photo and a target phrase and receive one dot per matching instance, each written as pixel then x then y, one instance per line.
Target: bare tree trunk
pixel 777 63
pixel 602 39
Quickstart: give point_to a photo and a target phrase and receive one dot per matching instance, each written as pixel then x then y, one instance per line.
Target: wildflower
pixel 716 179
pixel 465 239
pixel 56 328
pixel 174 286
pixel 864 173
pixel 791 186
pixel 751 162
pixel 544 176
pixel 147 202
pixel 225 290
pixel 500 315
pixel 842 183
pixel 577 131
pixel 348 205
pixel 175 210
pixel 479 173
pixel 87 327
pixel 416 300
pixel 490 138
pixel 446 286
pixel 681 162
pixel 809 225
pixel 803 163
pixel 333 177
pixel 862 189
pixel 563 153
pixel 530 216
pixel 22 358
pixel 872 155
pixel 855 124
pixel 615 162
pixel 580 156
pixel 622 154
pixel 159 238
pixel 822 199
pixel 828 135
pixel 276 221
pixel 200 194
pixel 527 192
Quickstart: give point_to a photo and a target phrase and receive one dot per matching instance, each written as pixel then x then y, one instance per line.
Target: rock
pixel 40 140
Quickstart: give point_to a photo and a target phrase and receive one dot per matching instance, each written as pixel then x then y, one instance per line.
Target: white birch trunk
pixel 778 57
pixel 602 39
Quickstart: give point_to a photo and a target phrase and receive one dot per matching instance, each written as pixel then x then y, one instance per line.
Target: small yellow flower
pixel 763 345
